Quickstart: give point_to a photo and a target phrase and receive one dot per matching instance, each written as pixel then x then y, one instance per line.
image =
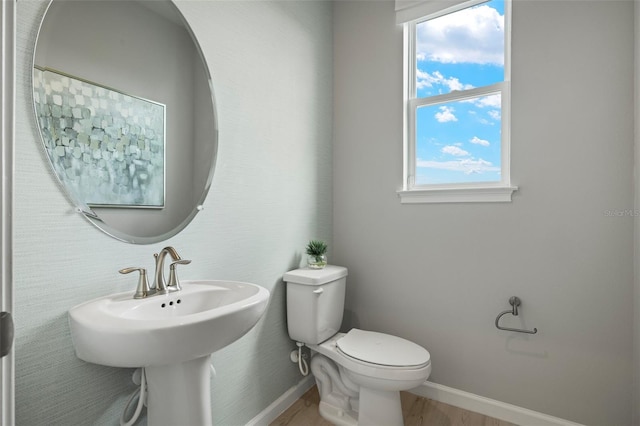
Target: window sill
pixel 499 194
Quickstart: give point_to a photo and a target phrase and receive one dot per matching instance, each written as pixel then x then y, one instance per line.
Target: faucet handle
pixel 174 284
pixel 143 289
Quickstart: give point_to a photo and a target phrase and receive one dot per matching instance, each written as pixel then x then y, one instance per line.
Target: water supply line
pixel 302 363
pixel 141 393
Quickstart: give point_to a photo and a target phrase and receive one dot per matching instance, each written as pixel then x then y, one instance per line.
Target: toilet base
pixel 344 403
pixel 380 407
pixel 376 408
pixel 336 415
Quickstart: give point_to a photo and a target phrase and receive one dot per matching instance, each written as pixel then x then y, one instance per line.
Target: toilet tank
pixel 315 302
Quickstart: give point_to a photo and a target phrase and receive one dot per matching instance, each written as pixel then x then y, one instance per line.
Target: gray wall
pixel 272 69
pixel 439 274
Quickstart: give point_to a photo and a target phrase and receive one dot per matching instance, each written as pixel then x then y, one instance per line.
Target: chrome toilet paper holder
pixel 514 301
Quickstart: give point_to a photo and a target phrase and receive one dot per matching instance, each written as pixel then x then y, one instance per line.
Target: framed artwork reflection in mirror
pixel 108 147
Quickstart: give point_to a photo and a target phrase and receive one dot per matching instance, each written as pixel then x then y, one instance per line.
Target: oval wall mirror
pixel 124 104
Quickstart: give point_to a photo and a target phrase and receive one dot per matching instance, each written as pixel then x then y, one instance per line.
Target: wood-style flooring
pixel 416 410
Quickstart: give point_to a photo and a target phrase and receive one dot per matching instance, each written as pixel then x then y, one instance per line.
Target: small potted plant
pixel 317 252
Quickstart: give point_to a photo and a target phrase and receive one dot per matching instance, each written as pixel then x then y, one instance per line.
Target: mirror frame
pixel 88 213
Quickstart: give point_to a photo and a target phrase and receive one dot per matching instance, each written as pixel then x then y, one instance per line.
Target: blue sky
pixel 460 141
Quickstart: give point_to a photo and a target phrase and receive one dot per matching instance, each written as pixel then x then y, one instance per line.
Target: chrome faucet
pixel 160 286
pixel 159 283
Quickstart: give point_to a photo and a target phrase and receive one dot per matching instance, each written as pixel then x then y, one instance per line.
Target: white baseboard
pixel 489 407
pixel 285 401
pixel 468 401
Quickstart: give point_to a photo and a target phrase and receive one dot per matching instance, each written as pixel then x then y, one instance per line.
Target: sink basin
pixel 205 316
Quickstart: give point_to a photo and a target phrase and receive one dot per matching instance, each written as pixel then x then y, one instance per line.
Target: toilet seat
pixel 382 349
pixel 376 376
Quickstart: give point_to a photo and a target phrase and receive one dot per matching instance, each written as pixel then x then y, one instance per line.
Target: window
pixel 457 103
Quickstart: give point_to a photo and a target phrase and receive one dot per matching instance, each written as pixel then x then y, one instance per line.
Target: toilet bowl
pixel 359 373
pixel 373 397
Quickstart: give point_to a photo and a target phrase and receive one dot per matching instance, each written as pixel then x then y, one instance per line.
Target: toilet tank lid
pixel 310 276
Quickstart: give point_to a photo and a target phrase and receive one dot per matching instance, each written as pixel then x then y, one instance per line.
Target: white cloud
pixel 491 101
pixel 445 115
pixel 467 166
pixel 424 79
pixel 476 140
pixel 495 114
pixel 473 35
pixel 454 150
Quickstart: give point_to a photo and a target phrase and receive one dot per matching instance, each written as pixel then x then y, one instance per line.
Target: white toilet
pixel 360 373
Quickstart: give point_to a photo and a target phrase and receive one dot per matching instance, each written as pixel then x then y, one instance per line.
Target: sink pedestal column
pixel 180 394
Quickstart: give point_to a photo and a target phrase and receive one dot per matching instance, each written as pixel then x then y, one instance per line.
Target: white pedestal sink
pixel 180 394
pixel 172 336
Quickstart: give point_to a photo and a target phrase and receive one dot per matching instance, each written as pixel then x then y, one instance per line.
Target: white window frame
pixel 412 193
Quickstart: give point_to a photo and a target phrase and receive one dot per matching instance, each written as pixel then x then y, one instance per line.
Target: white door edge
pixel 7 120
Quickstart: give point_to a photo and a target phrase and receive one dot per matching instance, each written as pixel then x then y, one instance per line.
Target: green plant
pixel 316 248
